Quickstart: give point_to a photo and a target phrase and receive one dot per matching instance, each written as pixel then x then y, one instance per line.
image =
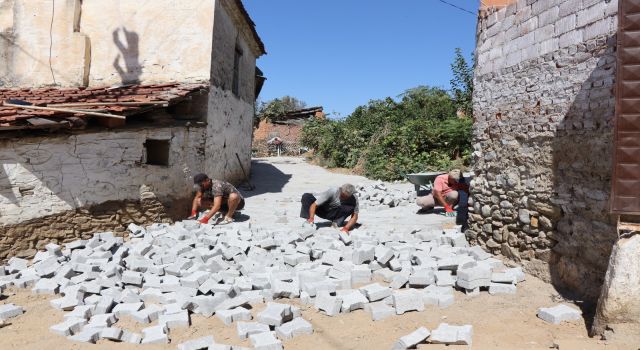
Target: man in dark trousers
pixel 335 204
pixel 217 195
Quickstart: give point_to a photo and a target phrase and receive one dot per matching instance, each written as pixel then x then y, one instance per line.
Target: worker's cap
pixel 199 178
pixel 455 174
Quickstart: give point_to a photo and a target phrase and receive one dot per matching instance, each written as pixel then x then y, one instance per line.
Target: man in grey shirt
pixel 335 204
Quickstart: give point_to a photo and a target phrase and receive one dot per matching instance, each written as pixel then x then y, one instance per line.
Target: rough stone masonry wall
pixel 544 106
pixel 51 186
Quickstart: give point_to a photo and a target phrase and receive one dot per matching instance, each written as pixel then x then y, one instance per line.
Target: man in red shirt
pixel 445 192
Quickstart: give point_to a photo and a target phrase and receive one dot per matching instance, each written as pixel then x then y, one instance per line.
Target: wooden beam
pixel 65 110
pixel 92 104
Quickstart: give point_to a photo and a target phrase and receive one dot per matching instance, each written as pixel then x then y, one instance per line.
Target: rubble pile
pixel 379 195
pixel 165 273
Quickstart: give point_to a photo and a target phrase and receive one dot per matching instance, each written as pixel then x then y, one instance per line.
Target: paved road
pixel 281 181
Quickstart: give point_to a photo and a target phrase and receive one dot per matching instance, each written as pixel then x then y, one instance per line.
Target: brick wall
pixel 544 106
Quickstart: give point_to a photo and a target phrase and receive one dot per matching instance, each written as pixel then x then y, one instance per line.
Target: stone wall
pixel 48 175
pixel 103 43
pixel 544 106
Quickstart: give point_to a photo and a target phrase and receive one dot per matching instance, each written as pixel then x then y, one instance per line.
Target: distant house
pixel 287 128
pixel 183 75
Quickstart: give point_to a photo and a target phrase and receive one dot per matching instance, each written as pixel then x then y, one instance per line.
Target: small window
pixel 157 152
pixel 235 87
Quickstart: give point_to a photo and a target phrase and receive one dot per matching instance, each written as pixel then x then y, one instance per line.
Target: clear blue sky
pixel 342 53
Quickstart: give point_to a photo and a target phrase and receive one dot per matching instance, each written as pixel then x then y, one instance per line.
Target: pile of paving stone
pixel 380 195
pixel 165 273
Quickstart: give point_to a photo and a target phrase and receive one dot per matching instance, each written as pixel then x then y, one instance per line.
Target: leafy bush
pixel 387 138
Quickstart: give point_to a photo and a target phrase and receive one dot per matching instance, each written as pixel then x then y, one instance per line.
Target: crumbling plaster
pixel 41 176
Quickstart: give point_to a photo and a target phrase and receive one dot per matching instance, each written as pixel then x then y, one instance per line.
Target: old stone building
pixel 544 106
pixel 288 128
pixel 183 73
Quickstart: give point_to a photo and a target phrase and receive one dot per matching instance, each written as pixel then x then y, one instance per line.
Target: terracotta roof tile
pixel 169 93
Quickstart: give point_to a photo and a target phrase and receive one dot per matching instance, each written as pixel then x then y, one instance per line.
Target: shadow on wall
pixel 267 179
pixel 582 168
pixel 130 53
pixel 6 190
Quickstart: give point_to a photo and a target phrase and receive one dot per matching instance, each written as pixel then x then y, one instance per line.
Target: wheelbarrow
pixel 423 182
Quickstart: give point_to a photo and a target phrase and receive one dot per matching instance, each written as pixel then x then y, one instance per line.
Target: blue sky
pixel 342 53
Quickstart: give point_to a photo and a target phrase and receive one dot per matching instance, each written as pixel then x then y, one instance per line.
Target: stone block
pixel 176 320
pixel 127 308
pixel 275 314
pixel 245 329
pixel 412 339
pixel 329 304
pixel 234 315
pixel 69 327
pixel 105 305
pixel 265 341
pixel 407 300
pixel 297 326
pixel 363 254
pixel 421 277
pixel 111 333
pixel 474 277
pixel 360 274
pixel 46 286
pixel 86 335
pixel 501 288
pixel 559 313
pixel 379 310
pixel 8 311
pixel 102 320
pixel 445 278
pixel 352 300
pixel 452 335
pixel 147 315
pixel 197 344
pixel 130 337
pixel 80 311
pixel 399 280
pixel 375 291
pixel 155 335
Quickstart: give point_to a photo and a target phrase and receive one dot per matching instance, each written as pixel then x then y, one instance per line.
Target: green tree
pixel 462 83
pixel 278 107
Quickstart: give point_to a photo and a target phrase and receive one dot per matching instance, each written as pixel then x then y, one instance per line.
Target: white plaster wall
pixel 49 175
pixel 169 40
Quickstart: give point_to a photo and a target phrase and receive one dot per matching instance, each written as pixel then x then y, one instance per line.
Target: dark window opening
pixel 235 87
pixel 157 152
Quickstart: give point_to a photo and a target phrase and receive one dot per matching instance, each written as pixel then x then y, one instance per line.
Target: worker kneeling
pixel 335 204
pixel 217 195
pixel 449 190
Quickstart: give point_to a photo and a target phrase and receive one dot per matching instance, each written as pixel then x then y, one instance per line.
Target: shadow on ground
pixel 266 178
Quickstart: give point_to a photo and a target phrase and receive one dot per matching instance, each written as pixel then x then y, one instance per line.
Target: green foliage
pixel 462 83
pixel 278 107
pixel 386 138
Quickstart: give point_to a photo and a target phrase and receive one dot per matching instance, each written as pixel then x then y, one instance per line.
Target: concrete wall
pixel 102 43
pixel 544 107
pixel 230 120
pixel 41 176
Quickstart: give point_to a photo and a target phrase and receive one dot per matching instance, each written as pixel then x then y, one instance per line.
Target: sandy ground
pixel 499 322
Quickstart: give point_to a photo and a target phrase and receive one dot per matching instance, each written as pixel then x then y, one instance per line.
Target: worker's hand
pixel 310 221
pixel 344 229
pixel 448 208
pixel 204 220
pixel 193 215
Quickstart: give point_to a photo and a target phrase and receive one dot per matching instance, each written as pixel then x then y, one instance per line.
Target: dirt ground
pixel 499 322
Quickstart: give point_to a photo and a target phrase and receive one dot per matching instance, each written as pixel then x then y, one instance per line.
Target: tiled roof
pixel 123 101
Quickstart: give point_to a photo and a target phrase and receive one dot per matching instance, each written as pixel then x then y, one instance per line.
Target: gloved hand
pixel 448 208
pixel 344 229
pixel 193 215
pixel 204 220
